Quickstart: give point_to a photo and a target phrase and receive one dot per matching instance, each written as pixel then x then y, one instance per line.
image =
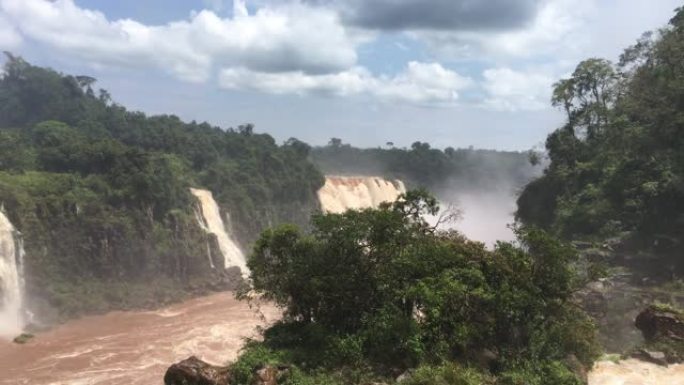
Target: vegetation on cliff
pixel 616 166
pixel 372 294
pixel 101 196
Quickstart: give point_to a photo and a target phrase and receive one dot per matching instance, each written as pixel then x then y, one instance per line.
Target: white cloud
pixel 419 83
pixel 423 83
pixel 305 47
pixel 9 36
pixel 291 37
pixel 511 90
pixel 344 83
pixel 557 27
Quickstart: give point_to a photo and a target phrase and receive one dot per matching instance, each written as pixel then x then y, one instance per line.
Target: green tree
pixel 616 166
pixel 408 294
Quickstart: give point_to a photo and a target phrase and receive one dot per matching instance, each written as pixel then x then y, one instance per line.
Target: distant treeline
pixel 435 169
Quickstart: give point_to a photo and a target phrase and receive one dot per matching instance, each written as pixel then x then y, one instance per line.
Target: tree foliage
pixel 385 288
pixel 616 165
pixel 101 193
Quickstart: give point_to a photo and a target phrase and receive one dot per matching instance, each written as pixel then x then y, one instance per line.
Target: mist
pixel 485 200
pixel 483 216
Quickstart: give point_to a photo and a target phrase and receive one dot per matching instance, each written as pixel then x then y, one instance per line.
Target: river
pixel 136 347
pixel 133 347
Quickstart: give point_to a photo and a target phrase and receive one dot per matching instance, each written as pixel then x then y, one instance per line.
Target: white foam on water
pixel 635 372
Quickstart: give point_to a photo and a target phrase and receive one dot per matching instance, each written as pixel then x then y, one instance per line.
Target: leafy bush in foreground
pixel 381 290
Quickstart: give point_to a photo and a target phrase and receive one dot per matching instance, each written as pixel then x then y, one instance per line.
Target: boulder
pixel 193 371
pixel 660 322
pixel 658 358
pixel 268 374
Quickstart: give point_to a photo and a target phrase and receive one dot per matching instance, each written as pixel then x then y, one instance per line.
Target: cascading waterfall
pixel 340 193
pixel 11 279
pixel 212 222
pixel 632 371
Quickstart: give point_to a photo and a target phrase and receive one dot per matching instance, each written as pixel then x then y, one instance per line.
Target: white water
pixel 340 193
pixel 635 372
pixel 213 223
pixel 11 280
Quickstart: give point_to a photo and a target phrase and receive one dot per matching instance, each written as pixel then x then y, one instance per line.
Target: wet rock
pixel 658 358
pixel 193 371
pixel 582 245
pixel 659 321
pixel 404 377
pixel 486 358
pixel 269 375
pixel 23 338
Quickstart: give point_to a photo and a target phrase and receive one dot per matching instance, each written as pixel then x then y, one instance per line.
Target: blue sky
pixel 449 72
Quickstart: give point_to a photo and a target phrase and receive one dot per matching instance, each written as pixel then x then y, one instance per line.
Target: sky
pixel 453 73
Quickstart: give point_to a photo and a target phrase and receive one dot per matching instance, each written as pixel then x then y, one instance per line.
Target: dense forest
pixel 101 195
pixel 617 165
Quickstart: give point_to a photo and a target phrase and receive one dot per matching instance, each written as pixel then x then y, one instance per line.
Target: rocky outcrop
pixel 659 321
pixel 663 329
pixel 658 358
pixel 193 371
pixel 269 375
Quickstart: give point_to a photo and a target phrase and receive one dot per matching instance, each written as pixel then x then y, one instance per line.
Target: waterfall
pixel 339 193
pixel 212 222
pixel 11 279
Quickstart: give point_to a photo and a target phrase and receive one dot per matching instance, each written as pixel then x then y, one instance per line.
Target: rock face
pixel 656 322
pixel 193 371
pixel 658 358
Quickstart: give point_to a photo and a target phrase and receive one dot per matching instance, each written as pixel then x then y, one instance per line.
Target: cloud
pixel 423 83
pixel 353 81
pixel 419 83
pixel 556 28
pixel 510 90
pixel 291 37
pixel 461 15
pixel 9 36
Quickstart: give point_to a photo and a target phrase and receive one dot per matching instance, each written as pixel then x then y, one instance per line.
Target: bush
pixel 380 289
pixel 448 374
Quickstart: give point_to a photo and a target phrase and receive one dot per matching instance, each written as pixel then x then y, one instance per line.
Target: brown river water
pixel 133 347
pixel 136 347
